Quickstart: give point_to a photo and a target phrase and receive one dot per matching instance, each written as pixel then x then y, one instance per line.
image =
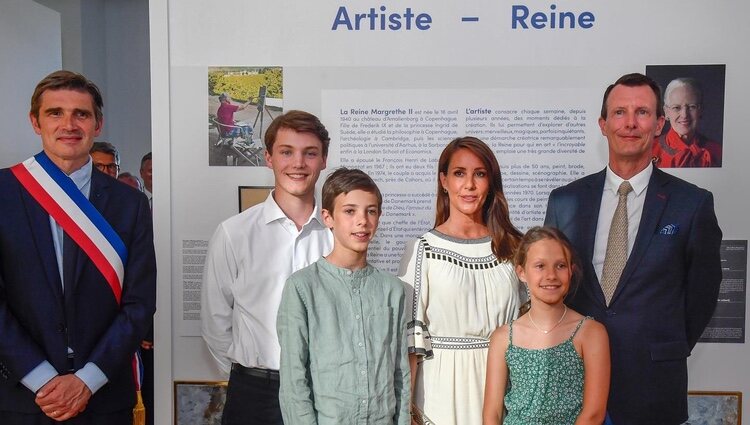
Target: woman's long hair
pixel 505 237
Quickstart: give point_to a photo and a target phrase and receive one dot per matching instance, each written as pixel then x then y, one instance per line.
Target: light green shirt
pixel 343 347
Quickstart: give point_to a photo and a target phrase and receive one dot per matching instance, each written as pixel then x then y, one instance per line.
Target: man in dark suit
pixel 67 332
pixel 657 298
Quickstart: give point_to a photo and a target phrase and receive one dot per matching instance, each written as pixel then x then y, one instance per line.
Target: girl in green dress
pixel 551 365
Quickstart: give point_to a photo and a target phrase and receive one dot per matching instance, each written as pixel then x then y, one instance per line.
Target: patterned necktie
pixel 617 244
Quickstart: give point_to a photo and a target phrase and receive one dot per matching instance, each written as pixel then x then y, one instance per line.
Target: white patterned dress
pixel 461 293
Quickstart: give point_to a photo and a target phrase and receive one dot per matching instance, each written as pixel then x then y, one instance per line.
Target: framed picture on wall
pixel 242 103
pixel 252 195
pixel 199 402
pixel 693 135
pixel 714 408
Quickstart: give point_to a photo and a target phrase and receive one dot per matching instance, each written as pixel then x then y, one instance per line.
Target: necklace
pixel 552 328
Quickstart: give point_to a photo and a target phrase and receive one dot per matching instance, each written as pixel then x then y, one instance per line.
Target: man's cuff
pixel 39 376
pixel 92 376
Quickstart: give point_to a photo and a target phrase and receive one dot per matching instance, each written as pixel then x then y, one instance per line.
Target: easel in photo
pixel 261 108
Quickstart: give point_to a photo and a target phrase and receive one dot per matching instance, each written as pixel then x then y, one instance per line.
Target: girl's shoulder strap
pixel 580 323
pixel 510 333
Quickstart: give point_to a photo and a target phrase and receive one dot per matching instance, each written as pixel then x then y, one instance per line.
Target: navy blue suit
pixel 665 297
pixel 38 321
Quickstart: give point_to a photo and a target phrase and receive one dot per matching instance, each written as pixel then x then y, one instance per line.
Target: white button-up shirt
pixel 607 208
pixel 250 256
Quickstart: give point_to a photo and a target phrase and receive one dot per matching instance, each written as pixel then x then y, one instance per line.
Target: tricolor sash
pixel 77 216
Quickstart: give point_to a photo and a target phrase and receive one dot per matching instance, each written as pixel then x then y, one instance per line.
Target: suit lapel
pixel 653 207
pixel 591 203
pixel 42 234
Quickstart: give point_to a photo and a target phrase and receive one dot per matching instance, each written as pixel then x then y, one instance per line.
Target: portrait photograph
pixel 693 96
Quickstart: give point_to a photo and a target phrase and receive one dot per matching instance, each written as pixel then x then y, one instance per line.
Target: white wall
pixel 30 48
pixel 163 372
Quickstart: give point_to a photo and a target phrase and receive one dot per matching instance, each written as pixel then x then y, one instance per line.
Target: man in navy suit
pixel 667 291
pixel 67 336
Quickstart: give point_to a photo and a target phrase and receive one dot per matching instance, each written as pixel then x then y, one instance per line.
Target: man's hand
pixel 63 397
pixel 147 345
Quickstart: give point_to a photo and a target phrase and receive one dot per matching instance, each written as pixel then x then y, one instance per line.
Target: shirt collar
pixel 639 182
pixel 272 212
pixel 341 271
pixel 82 176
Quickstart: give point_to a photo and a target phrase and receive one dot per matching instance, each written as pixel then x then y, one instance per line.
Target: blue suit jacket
pixel 665 297
pixel 38 322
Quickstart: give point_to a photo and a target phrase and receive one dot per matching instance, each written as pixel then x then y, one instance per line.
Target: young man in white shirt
pixel 250 257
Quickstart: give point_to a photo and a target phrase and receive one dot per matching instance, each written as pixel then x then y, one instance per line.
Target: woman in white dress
pixel 463 286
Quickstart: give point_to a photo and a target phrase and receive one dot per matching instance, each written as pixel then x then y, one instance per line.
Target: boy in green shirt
pixel 341 322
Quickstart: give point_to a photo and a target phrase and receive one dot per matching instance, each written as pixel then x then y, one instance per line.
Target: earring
pixel 445 190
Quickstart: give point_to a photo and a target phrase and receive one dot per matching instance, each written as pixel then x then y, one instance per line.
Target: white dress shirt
pixel 250 256
pixel 639 182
